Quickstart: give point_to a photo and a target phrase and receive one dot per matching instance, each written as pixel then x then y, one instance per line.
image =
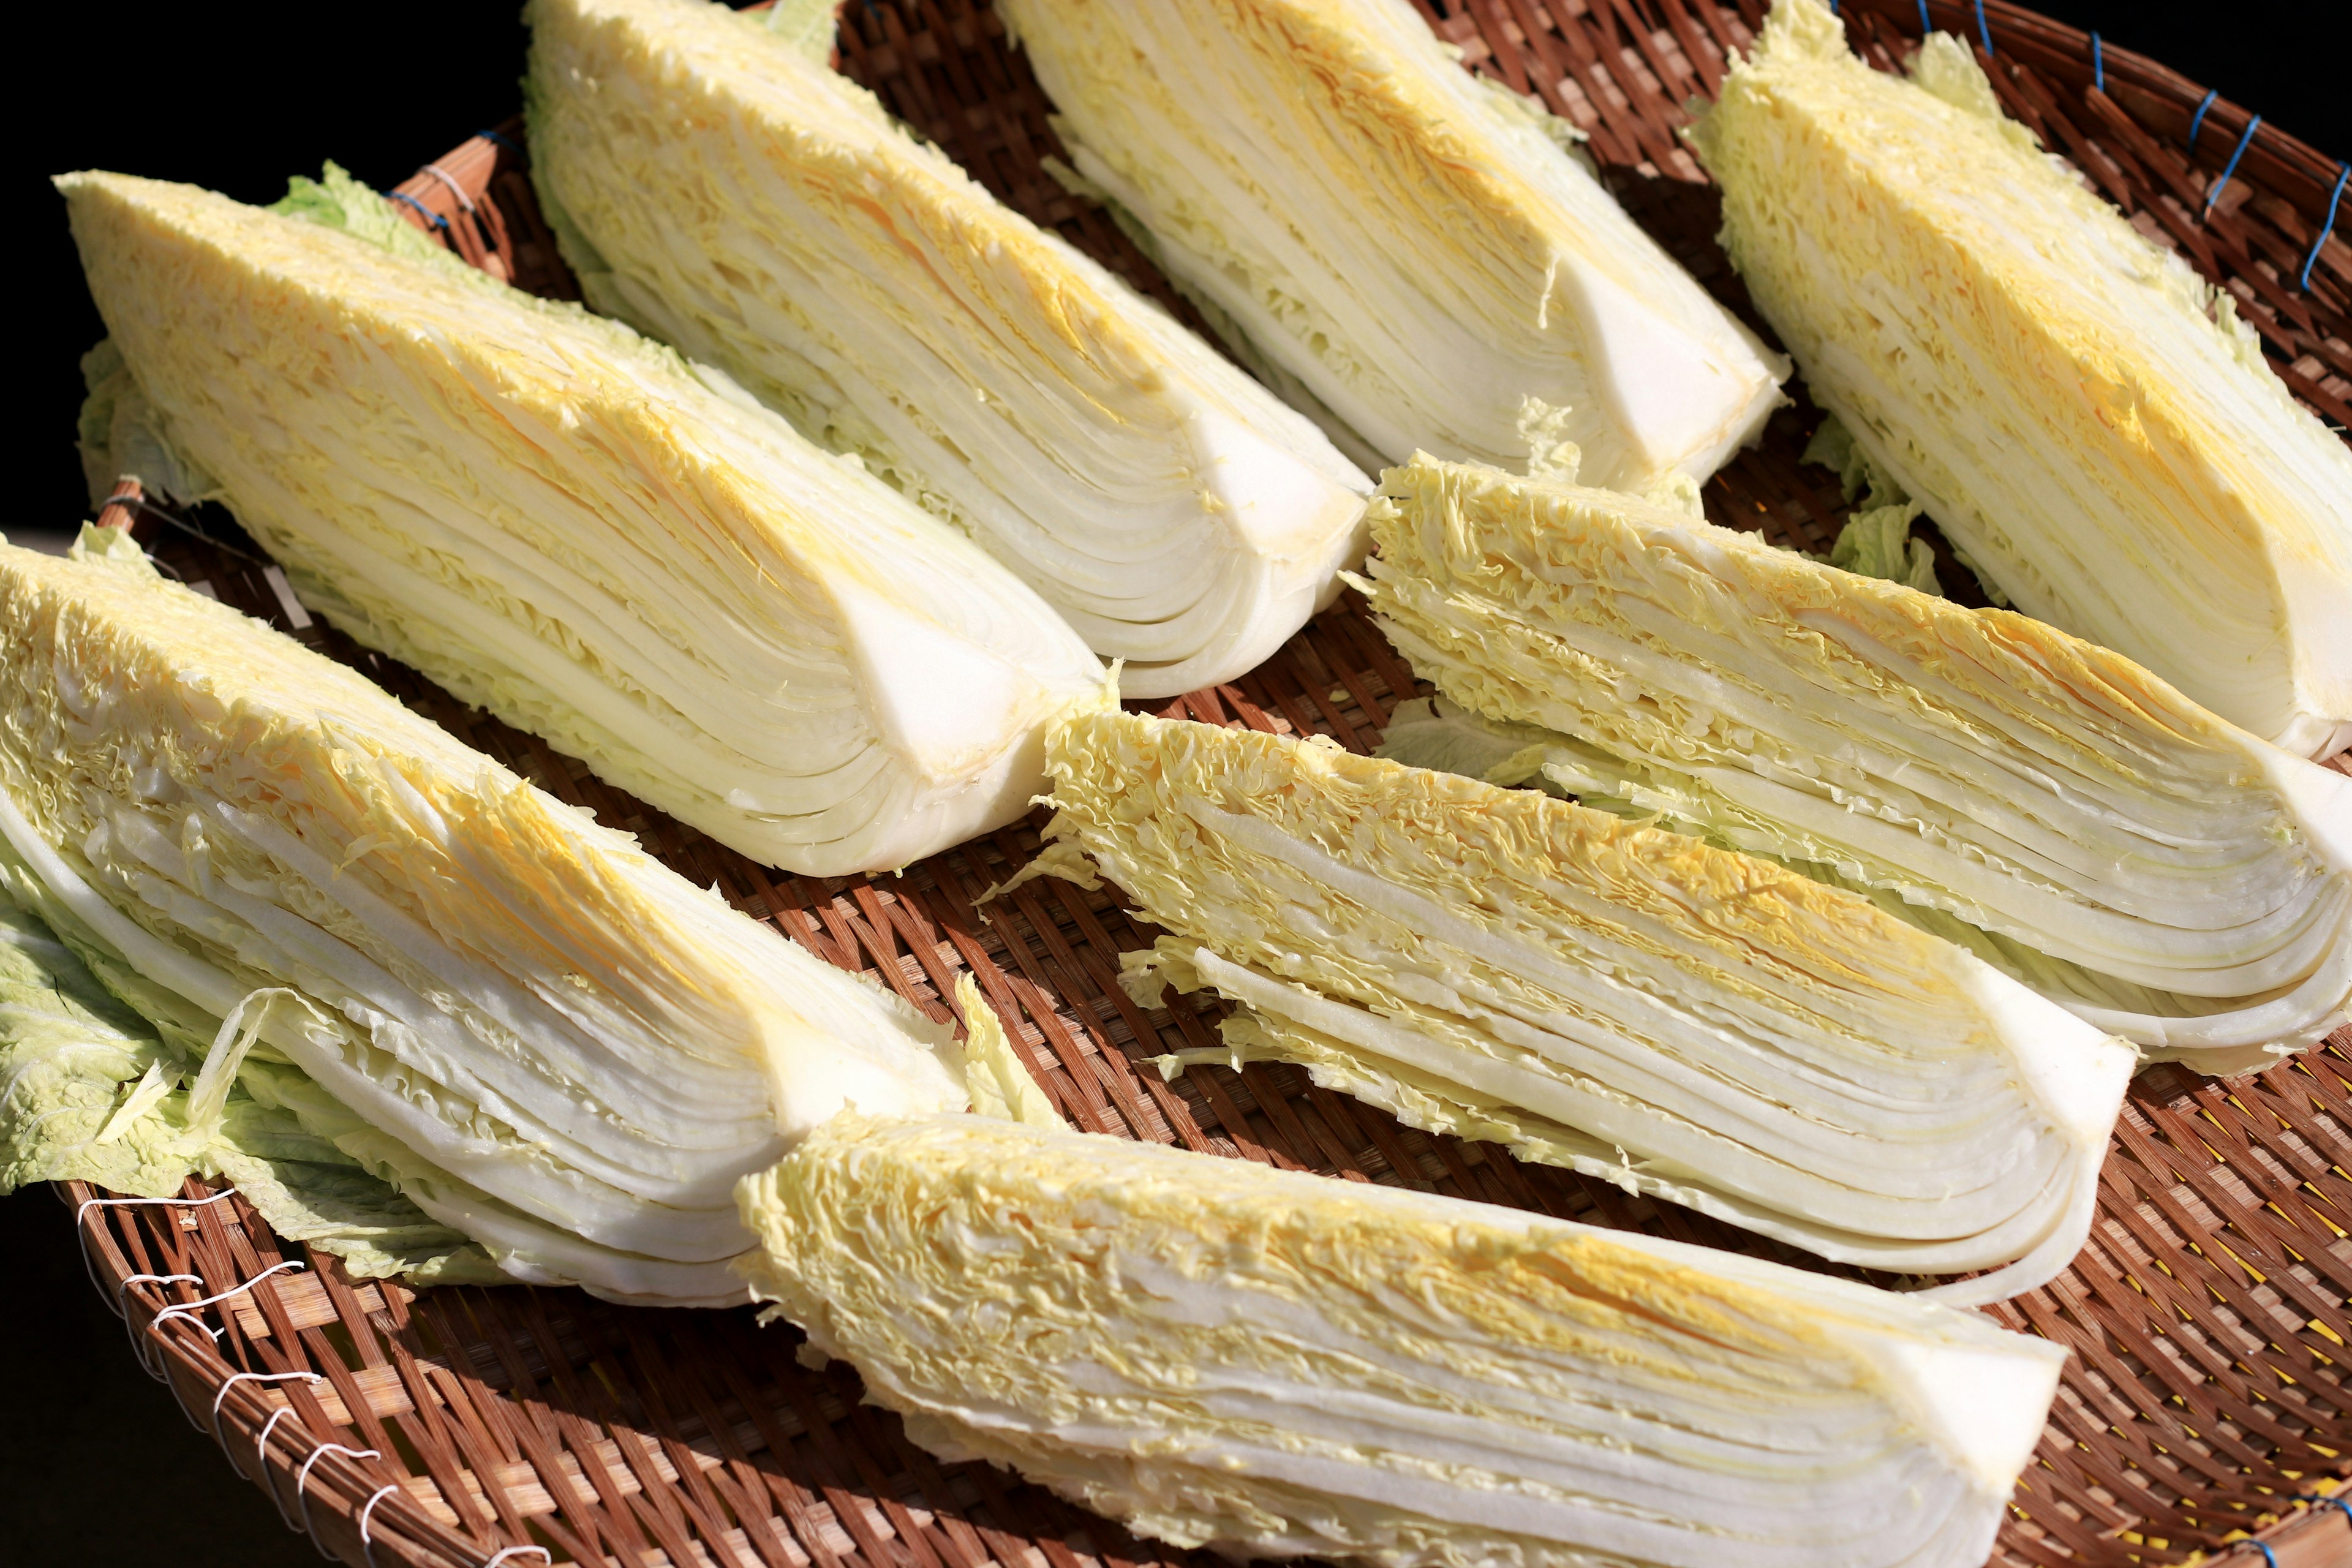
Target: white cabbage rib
pixel 2087 421
pixel 1685 1020
pixel 540 1034
pixel 556 520
pixel 721 188
pixel 2080 822
pixel 1410 247
pixel 1278 1364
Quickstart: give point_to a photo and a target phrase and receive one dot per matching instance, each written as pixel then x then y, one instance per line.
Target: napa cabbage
pixel 2072 818
pixel 576 529
pixel 1685 1021
pixel 1412 249
pixel 2090 424
pixel 713 182
pixel 539 1037
pixel 1275 1363
pixel 92 1091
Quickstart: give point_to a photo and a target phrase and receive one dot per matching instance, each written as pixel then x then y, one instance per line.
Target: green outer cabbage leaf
pixel 572 528
pixel 1412 245
pixel 2086 420
pixel 536 1032
pixel 2070 816
pixel 79 1072
pixel 1279 1365
pixel 1688 1021
pixel 723 190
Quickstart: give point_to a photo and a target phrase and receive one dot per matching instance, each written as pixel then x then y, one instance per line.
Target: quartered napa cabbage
pixel 539 1035
pixel 1275 1363
pixel 563 523
pixel 715 183
pixel 2070 816
pixel 2092 425
pixel 1409 252
pixel 1682 1020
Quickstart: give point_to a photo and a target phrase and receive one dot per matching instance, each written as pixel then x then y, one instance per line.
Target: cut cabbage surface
pixel 1412 249
pixel 540 1036
pixel 563 523
pixel 1276 1363
pixel 2087 420
pixel 713 182
pixel 2075 819
pixel 1685 1021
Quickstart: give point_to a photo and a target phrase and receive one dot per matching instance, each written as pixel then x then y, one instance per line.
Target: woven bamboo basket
pixel 2206 1399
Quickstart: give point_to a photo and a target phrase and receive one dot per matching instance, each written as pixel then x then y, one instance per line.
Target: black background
pixel 96 1465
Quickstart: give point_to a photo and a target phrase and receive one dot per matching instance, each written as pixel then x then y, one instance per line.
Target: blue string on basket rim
pixel 2302 281
pixel 435 219
pixel 2268 1556
pixel 1925 27
pixel 2213 192
pixel 495 140
pixel 1984 29
pixel 2197 120
pixel 2098 64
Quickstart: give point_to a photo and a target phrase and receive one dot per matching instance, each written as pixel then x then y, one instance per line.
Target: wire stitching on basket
pixel 261 1453
pixel 2268 1556
pixel 2303 278
pixel 303 1478
pixel 2213 193
pixel 367 1546
pixel 122 1311
pixel 188 1309
pixel 83 1230
pixel 1984 29
pixel 455 189
pixel 495 140
pixel 435 219
pixel 511 1551
pixel 1925 27
pixel 2197 120
pixel 2098 64
pixel 251 1378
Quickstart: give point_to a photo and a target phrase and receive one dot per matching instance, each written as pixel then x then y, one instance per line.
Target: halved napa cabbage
pixel 1408 252
pixel 1686 1021
pixel 2072 818
pixel 563 523
pixel 2086 420
pixel 713 182
pixel 543 1037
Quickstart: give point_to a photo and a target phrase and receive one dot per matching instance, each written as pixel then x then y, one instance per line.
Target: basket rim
pixel 2290 166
